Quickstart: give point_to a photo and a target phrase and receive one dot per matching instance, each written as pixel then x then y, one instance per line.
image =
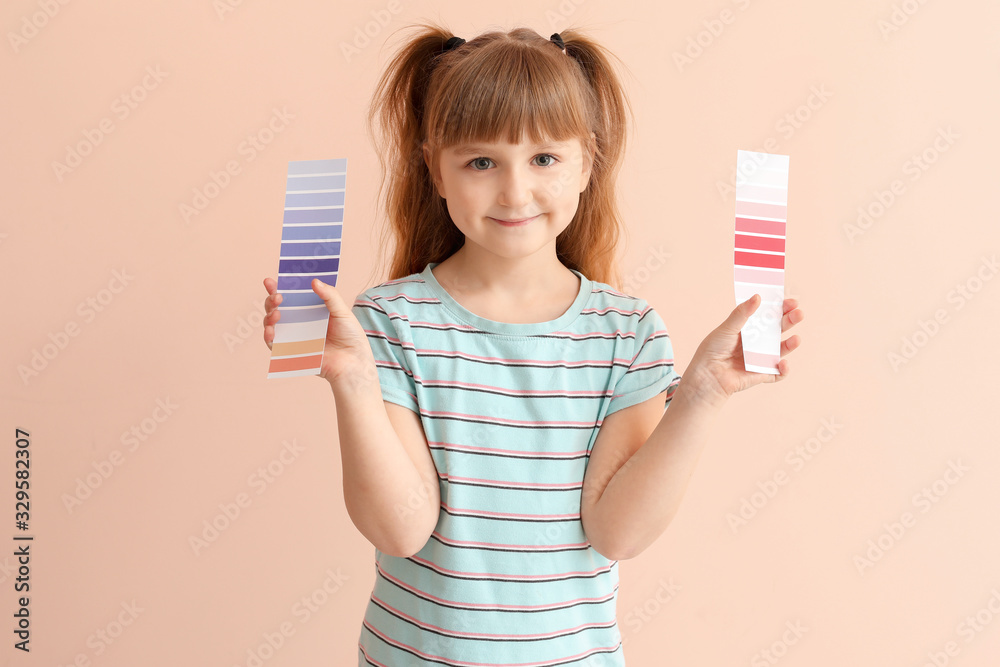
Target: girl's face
pixel 484 184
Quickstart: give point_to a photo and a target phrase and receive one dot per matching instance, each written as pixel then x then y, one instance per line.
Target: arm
pixel 382 474
pixel 642 496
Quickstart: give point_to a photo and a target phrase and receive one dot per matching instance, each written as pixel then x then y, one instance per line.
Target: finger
pixel 741 314
pixel 271 286
pixel 274 297
pixel 790 344
pixel 272 318
pixel 269 322
pixel 330 296
pixel 272 302
pixel 789 304
pixel 792 318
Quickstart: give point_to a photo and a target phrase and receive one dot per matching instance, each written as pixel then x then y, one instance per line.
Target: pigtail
pixel 588 244
pixel 413 207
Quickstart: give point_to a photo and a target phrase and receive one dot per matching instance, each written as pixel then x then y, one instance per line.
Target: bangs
pixel 513 91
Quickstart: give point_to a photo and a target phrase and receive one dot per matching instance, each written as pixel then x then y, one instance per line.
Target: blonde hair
pixel 499 86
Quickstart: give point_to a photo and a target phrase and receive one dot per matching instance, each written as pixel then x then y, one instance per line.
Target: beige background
pixel 887 81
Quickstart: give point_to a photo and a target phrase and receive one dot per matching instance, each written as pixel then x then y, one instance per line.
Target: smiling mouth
pixel 513 222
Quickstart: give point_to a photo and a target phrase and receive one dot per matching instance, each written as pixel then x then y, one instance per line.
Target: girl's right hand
pixel 346 350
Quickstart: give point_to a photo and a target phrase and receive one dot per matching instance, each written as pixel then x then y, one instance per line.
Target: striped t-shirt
pixel 510 412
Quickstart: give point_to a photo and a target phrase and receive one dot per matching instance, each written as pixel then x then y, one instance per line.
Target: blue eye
pixel 480 160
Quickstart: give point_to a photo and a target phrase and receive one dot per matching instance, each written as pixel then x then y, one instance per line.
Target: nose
pixel 515 188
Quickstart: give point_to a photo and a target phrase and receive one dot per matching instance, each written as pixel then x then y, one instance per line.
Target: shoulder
pixel 634 310
pixel 385 309
pixel 393 294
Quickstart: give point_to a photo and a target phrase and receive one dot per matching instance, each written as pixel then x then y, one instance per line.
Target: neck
pixel 478 271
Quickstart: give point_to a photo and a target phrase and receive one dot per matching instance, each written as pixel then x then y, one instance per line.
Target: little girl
pixel 501 407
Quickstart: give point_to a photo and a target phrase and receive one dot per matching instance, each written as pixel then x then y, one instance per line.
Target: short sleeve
pixel 392 360
pixel 652 368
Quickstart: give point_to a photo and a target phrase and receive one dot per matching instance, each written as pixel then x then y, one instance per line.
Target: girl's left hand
pixel 717 366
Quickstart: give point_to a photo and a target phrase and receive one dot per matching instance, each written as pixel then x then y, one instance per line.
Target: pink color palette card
pixel 759 255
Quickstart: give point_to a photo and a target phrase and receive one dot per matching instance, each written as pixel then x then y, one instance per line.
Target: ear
pixel 434 169
pixel 589 152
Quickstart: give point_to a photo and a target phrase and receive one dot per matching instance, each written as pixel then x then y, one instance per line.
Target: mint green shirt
pixel 511 412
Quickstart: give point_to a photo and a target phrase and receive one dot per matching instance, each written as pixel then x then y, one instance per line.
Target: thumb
pixel 330 296
pixel 741 314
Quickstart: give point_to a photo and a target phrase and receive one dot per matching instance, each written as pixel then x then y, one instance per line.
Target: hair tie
pixel 558 41
pixel 452 43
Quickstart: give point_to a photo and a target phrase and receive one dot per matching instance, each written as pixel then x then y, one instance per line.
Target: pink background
pixel 853 103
